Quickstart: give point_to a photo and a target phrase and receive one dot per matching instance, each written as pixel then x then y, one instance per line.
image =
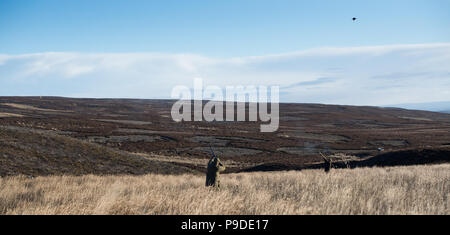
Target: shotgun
pixel 213 155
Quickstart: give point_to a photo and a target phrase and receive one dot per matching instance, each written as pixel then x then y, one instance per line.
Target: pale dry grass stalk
pixel 397 190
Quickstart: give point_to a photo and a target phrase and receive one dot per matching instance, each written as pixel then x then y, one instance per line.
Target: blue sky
pixel 217 28
pixel 312 49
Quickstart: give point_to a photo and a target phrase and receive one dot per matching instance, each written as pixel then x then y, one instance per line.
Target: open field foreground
pixel 396 190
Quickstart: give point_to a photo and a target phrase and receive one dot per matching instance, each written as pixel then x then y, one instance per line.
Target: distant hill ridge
pixel 442 107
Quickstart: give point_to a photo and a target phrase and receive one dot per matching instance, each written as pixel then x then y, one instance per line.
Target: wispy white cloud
pixel 377 75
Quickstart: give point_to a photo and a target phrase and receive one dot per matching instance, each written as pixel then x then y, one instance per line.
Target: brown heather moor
pixel 396 190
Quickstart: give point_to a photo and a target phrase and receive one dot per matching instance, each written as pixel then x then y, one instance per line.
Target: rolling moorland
pixel 64 136
pixel 118 156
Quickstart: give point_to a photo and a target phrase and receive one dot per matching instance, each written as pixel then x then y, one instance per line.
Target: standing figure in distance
pixel 215 166
pixel 327 163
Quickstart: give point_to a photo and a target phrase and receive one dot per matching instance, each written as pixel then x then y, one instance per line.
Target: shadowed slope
pixel 32 152
pixel 409 157
pixel 398 158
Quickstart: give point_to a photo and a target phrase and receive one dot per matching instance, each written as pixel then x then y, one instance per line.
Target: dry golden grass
pixel 29 107
pixel 3 115
pixel 398 190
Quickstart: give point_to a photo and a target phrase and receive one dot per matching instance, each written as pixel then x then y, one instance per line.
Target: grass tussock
pixel 397 190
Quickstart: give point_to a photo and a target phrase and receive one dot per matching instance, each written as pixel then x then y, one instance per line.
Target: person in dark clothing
pixel 215 166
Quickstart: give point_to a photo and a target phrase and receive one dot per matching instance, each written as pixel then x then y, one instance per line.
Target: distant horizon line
pixel 395 106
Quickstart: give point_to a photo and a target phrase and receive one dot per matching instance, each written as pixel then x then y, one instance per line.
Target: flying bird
pixel 354 18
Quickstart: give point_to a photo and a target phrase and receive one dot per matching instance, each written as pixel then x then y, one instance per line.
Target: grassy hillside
pixel 395 190
pixel 33 152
